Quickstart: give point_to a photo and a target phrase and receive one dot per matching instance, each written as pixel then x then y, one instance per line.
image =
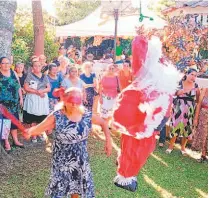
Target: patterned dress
pixel 9 94
pixel 183 113
pixel 71 173
pixel 200 140
pixel 90 91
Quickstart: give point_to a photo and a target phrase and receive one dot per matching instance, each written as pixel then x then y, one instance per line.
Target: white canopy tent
pixel 93 25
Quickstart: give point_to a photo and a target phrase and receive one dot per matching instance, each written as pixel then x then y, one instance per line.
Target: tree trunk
pixel 7 13
pixel 38 27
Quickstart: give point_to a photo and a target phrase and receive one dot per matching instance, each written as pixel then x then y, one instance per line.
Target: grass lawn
pixel 26 176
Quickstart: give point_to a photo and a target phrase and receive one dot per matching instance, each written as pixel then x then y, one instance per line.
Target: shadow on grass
pixel 163 175
pixel 181 177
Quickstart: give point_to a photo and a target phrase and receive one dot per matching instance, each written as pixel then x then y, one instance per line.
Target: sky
pixel 48 4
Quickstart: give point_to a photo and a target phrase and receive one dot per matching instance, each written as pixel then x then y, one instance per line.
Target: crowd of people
pixel 36 92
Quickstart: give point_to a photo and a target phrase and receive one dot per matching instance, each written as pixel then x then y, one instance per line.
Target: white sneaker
pixel 42 139
pixel 34 140
pixel 168 151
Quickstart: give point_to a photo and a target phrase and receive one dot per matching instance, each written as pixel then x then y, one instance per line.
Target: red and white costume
pixel 141 108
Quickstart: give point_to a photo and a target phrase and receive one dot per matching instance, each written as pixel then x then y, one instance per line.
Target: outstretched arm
pixel 47 124
pixel 101 122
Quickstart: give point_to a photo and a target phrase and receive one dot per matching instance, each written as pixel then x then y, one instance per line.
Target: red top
pixel 124 80
pixel 109 86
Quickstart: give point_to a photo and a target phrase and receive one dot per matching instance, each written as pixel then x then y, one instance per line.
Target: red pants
pixel 134 154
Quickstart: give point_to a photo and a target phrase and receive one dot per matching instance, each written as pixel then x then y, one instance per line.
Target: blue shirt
pixel 66 83
pixel 88 80
pixel 54 83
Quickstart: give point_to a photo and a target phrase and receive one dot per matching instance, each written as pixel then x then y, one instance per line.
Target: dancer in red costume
pixel 142 107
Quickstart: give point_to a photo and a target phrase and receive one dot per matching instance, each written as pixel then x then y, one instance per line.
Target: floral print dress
pixel 71 173
pixel 9 92
pixel 90 91
pixel 200 139
pixel 183 113
pixel 9 95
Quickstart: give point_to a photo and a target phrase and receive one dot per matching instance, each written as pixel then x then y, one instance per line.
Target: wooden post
pixel 38 27
pixel 116 29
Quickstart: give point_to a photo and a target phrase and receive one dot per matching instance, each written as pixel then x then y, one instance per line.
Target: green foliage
pixel 72 11
pixel 22 44
pixel 50 47
pixel 23 37
pixel 20 50
pixel 159 6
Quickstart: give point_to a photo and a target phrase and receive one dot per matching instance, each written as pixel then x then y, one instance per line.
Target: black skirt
pixel 30 118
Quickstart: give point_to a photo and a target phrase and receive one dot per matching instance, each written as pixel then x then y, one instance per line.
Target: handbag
pixel 118 88
pixel 5 126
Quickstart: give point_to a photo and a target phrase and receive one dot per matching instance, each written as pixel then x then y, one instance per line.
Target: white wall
pixel 188 10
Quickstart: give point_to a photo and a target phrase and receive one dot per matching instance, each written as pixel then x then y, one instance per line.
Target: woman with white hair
pixel 63 68
pixel 72 80
pixel 90 84
pixel 71 174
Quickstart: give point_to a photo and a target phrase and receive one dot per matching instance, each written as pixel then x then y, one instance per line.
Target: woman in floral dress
pixel 10 97
pixel 70 174
pixel 200 141
pixel 183 110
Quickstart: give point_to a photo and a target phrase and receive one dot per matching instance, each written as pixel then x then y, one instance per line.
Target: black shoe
pixel 18 146
pixel 130 187
pixel 116 163
pixel 202 159
pixel 8 151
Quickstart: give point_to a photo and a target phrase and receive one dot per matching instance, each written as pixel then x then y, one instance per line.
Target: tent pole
pixel 116 29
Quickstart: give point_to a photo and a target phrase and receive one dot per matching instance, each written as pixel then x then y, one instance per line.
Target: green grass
pixel 162 176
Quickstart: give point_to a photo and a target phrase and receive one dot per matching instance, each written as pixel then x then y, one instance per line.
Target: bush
pixel 23 37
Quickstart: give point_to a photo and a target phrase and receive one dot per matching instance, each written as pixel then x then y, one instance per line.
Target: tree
pixel 38 27
pixel 8 9
pixel 159 6
pixel 23 38
pixel 69 11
